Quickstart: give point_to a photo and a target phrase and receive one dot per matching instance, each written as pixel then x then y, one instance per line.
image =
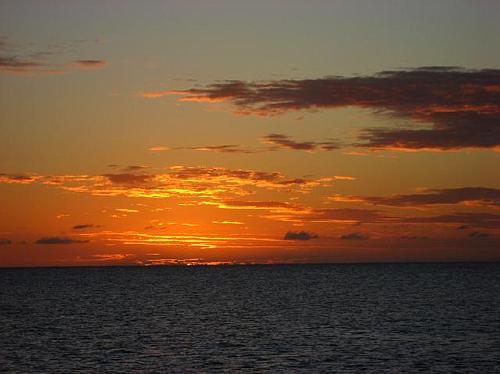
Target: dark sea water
pixel 280 318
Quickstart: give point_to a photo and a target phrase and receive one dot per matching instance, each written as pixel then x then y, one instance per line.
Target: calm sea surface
pixel 280 318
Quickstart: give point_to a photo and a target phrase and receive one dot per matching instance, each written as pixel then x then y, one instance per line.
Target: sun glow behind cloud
pixel 164 145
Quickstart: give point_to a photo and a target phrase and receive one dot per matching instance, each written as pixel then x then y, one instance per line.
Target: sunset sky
pixel 223 131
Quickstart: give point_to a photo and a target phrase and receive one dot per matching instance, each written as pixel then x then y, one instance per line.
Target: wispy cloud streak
pixel 284 141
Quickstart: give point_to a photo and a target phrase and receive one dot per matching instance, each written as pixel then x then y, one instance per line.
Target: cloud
pixel 281 206
pixel 344 215
pixel 228 222
pixel 159 148
pixel 449 108
pixel 224 148
pixel 355 236
pixel 16 59
pixel 241 177
pixel 155 94
pixel 300 235
pixel 298 214
pixel 83 226
pixel 132 168
pixel 284 141
pixel 468 195
pixel 127 210
pixel 69 179
pixel 5 242
pixel 59 240
pixel 89 64
pixel 15 65
pixel 478 234
pixel 227 148
pixel 18 178
pixel 207 182
pixel 129 179
pixel 485 220
pixel 185 241
pixel 111 256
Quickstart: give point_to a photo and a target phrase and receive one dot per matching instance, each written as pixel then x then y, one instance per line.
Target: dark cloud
pixel 129 179
pixel 451 108
pixel 344 215
pixel 481 195
pixel 15 64
pixel 5 242
pixel 83 226
pixel 300 235
pixel 90 64
pixel 355 236
pixel 132 168
pixel 479 234
pixel 284 141
pixel 59 240
pixel 485 220
pixel 18 59
pixel 26 65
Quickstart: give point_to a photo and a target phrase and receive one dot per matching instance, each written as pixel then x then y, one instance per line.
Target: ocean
pixel 252 319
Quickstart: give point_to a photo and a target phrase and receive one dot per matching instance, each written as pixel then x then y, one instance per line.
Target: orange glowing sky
pixel 221 132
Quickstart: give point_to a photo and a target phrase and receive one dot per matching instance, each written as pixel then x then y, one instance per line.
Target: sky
pixel 241 132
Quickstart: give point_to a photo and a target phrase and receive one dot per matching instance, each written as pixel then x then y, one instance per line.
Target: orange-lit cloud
pixel 332 215
pixel 274 206
pixel 19 178
pixel 213 182
pixel 226 148
pixel 179 241
pixel 105 257
pixel 159 148
pixel 156 94
pixel 126 210
pixel 228 222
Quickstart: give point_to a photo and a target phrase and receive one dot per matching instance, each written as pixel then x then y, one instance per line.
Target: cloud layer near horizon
pixel 449 108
